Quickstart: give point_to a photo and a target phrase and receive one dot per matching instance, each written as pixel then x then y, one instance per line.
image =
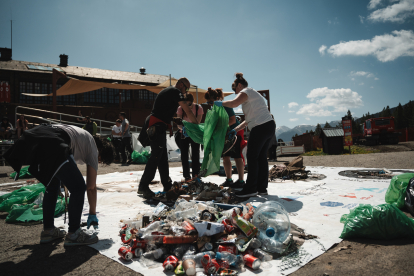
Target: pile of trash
pixel 195 237
pixel 293 170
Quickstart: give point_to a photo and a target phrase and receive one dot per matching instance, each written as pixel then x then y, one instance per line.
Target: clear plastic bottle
pixel 153 227
pixel 272 245
pixel 155 254
pixel 189 213
pixel 199 256
pixel 263 256
pixel 225 256
pixel 180 250
pixel 255 243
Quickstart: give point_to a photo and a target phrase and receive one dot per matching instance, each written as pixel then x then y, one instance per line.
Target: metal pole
pixel 170 79
pixel 60 118
pixel 100 127
pixel 11 35
pixel 197 93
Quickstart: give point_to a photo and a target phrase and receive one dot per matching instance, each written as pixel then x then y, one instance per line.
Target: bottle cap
pixel 270 232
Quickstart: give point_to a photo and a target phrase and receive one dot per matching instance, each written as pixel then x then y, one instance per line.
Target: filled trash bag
pixel 24 195
pixel 395 194
pixel 140 158
pixel 24 173
pixel 382 222
pixel 32 212
pixel 409 197
pixel 213 132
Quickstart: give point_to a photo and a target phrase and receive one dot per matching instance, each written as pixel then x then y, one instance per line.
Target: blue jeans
pixel 72 178
pixel 257 147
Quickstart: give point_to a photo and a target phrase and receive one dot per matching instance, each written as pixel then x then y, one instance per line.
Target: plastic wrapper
pixel 208 228
pixel 248 229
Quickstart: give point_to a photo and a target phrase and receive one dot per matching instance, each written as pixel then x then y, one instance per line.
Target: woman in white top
pixel 262 129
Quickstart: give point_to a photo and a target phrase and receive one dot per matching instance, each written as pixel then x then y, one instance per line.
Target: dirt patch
pixel 403 146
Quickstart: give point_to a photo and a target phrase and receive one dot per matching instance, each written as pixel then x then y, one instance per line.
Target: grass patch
pixel 354 150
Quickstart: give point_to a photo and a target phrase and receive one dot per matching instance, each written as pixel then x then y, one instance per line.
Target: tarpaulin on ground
pixel 24 195
pixel 395 194
pixel 313 205
pixel 213 134
pixel 24 173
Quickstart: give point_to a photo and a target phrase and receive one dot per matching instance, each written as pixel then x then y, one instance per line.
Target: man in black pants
pixel 126 139
pixel 154 134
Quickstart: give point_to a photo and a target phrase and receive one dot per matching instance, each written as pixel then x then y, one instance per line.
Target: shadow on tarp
pixel 290 206
pixel 394 242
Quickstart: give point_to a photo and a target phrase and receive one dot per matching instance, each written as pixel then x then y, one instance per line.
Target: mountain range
pixel 285 133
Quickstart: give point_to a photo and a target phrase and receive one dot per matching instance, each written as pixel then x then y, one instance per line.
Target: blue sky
pixel 317 58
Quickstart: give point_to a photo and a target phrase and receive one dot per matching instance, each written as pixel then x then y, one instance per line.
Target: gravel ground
pixel 21 253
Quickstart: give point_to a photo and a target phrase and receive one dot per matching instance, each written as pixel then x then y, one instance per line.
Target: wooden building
pixel 332 140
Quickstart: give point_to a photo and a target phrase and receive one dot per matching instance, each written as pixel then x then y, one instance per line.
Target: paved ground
pixel 21 254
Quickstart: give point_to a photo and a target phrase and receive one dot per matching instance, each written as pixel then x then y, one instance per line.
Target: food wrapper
pixel 246 227
pixel 225 271
pixel 179 270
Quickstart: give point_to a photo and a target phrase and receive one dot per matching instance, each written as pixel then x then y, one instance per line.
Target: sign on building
pixel 347 127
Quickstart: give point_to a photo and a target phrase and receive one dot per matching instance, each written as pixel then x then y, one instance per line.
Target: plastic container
pixel 225 256
pixel 272 221
pixel 153 227
pixel 181 215
pixel 155 254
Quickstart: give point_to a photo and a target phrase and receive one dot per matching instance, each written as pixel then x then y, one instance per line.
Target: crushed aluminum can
pixel 138 252
pixel 227 248
pixel 125 253
pixel 136 243
pixel 210 265
pixel 252 262
pixel 170 263
pixel 208 246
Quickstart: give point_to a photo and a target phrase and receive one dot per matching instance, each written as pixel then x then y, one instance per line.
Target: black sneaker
pixel 263 192
pixel 148 194
pixel 246 193
pixel 238 185
pixel 167 187
pixel 227 183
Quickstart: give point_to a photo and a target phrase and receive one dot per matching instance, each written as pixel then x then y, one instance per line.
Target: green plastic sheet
pixel 395 194
pixel 24 195
pixel 383 222
pixel 32 212
pixel 24 173
pixel 213 133
pixel 140 158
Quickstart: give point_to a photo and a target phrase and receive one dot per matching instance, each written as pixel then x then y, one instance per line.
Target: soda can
pixel 125 253
pixel 223 264
pixel 188 228
pixel 228 226
pixel 123 229
pixel 210 265
pixel 136 243
pixel 252 262
pixel 170 263
pixel 228 248
pixel 249 251
pixel 207 247
pixel 138 252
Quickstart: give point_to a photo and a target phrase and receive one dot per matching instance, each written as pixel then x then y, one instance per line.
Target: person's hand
pixel 232 133
pixel 184 131
pixel 218 103
pixel 92 220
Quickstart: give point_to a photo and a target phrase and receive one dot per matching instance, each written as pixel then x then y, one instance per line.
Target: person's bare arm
pixel 91 190
pixel 240 99
pixel 232 120
pixel 189 112
pixel 241 126
pixel 126 127
pixel 199 117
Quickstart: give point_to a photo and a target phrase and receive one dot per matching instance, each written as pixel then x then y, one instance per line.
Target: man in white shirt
pixel 117 138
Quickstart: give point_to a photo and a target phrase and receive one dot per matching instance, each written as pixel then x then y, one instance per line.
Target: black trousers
pixel 72 178
pixel 117 142
pixel 158 159
pixel 126 145
pixel 272 152
pixel 195 157
pixel 257 146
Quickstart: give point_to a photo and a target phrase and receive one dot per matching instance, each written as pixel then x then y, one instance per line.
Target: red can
pixel 223 264
pixel 122 231
pixel 137 243
pixel 249 251
pixel 252 262
pixel 124 240
pixel 228 248
pixel 170 263
pixel 210 265
pixel 125 253
pixel 228 226
pixel 188 228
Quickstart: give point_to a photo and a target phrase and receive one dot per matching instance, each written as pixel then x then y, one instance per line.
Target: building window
pixel 22 89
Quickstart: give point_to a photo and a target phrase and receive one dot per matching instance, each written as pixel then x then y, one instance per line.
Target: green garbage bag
pixel 140 158
pixel 384 222
pixel 395 194
pixel 32 212
pixel 214 132
pixel 24 195
pixel 24 173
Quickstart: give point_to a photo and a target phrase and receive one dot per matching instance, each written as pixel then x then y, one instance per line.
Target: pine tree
pixel 398 115
pixel 327 125
pixel 318 130
pixel 407 112
pixel 387 112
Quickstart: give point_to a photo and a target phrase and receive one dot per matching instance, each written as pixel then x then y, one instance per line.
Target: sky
pixel 317 58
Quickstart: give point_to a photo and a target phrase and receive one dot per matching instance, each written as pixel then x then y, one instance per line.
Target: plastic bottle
pixel 272 245
pixel 153 227
pixel 181 249
pixel 190 251
pixel 225 256
pixel 255 243
pixel 263 256
pixel 199 256
pixel 189 213
pixel 155 254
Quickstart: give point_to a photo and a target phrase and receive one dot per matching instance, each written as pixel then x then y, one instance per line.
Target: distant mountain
pixel 331 123
pixel 287 136
pixel 281 129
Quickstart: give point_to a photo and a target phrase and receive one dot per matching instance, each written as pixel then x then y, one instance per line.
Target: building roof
pixel 84 72
pixel 333 132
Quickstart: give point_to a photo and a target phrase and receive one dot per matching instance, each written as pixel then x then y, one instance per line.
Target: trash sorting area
pixel 293 170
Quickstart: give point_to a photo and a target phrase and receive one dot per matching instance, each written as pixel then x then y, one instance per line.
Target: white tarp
pixel 315 206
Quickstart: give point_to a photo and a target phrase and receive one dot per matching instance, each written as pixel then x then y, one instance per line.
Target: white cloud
pixel 353 79
pixel 283 106
pixel 373 4
pixel 361 74
pixel 361 18
pixel 322 50
pixel 372 87
pixel 333 70
pixel 293 119
pixel 385 47
pixel 238 110
pixel 397 12
pixel 325 101
pixel 291 111
pixel 292 104
pixel 307 119
pixel 376 79
pixel 361 83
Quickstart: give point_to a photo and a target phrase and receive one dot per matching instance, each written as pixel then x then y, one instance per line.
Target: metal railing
pixel 60 121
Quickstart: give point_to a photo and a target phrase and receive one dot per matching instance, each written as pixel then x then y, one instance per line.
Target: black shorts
pixel 235 152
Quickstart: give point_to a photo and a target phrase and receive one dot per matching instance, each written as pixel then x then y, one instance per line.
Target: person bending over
pixel 52 152
pixel 262 128
pixel 217 95
pixel 126 139
pixel 154 133
pixel 186 142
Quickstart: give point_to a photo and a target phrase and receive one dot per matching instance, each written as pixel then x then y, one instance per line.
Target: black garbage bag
pixel 409 196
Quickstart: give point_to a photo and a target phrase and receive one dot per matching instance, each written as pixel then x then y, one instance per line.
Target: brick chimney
pixel 63 60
